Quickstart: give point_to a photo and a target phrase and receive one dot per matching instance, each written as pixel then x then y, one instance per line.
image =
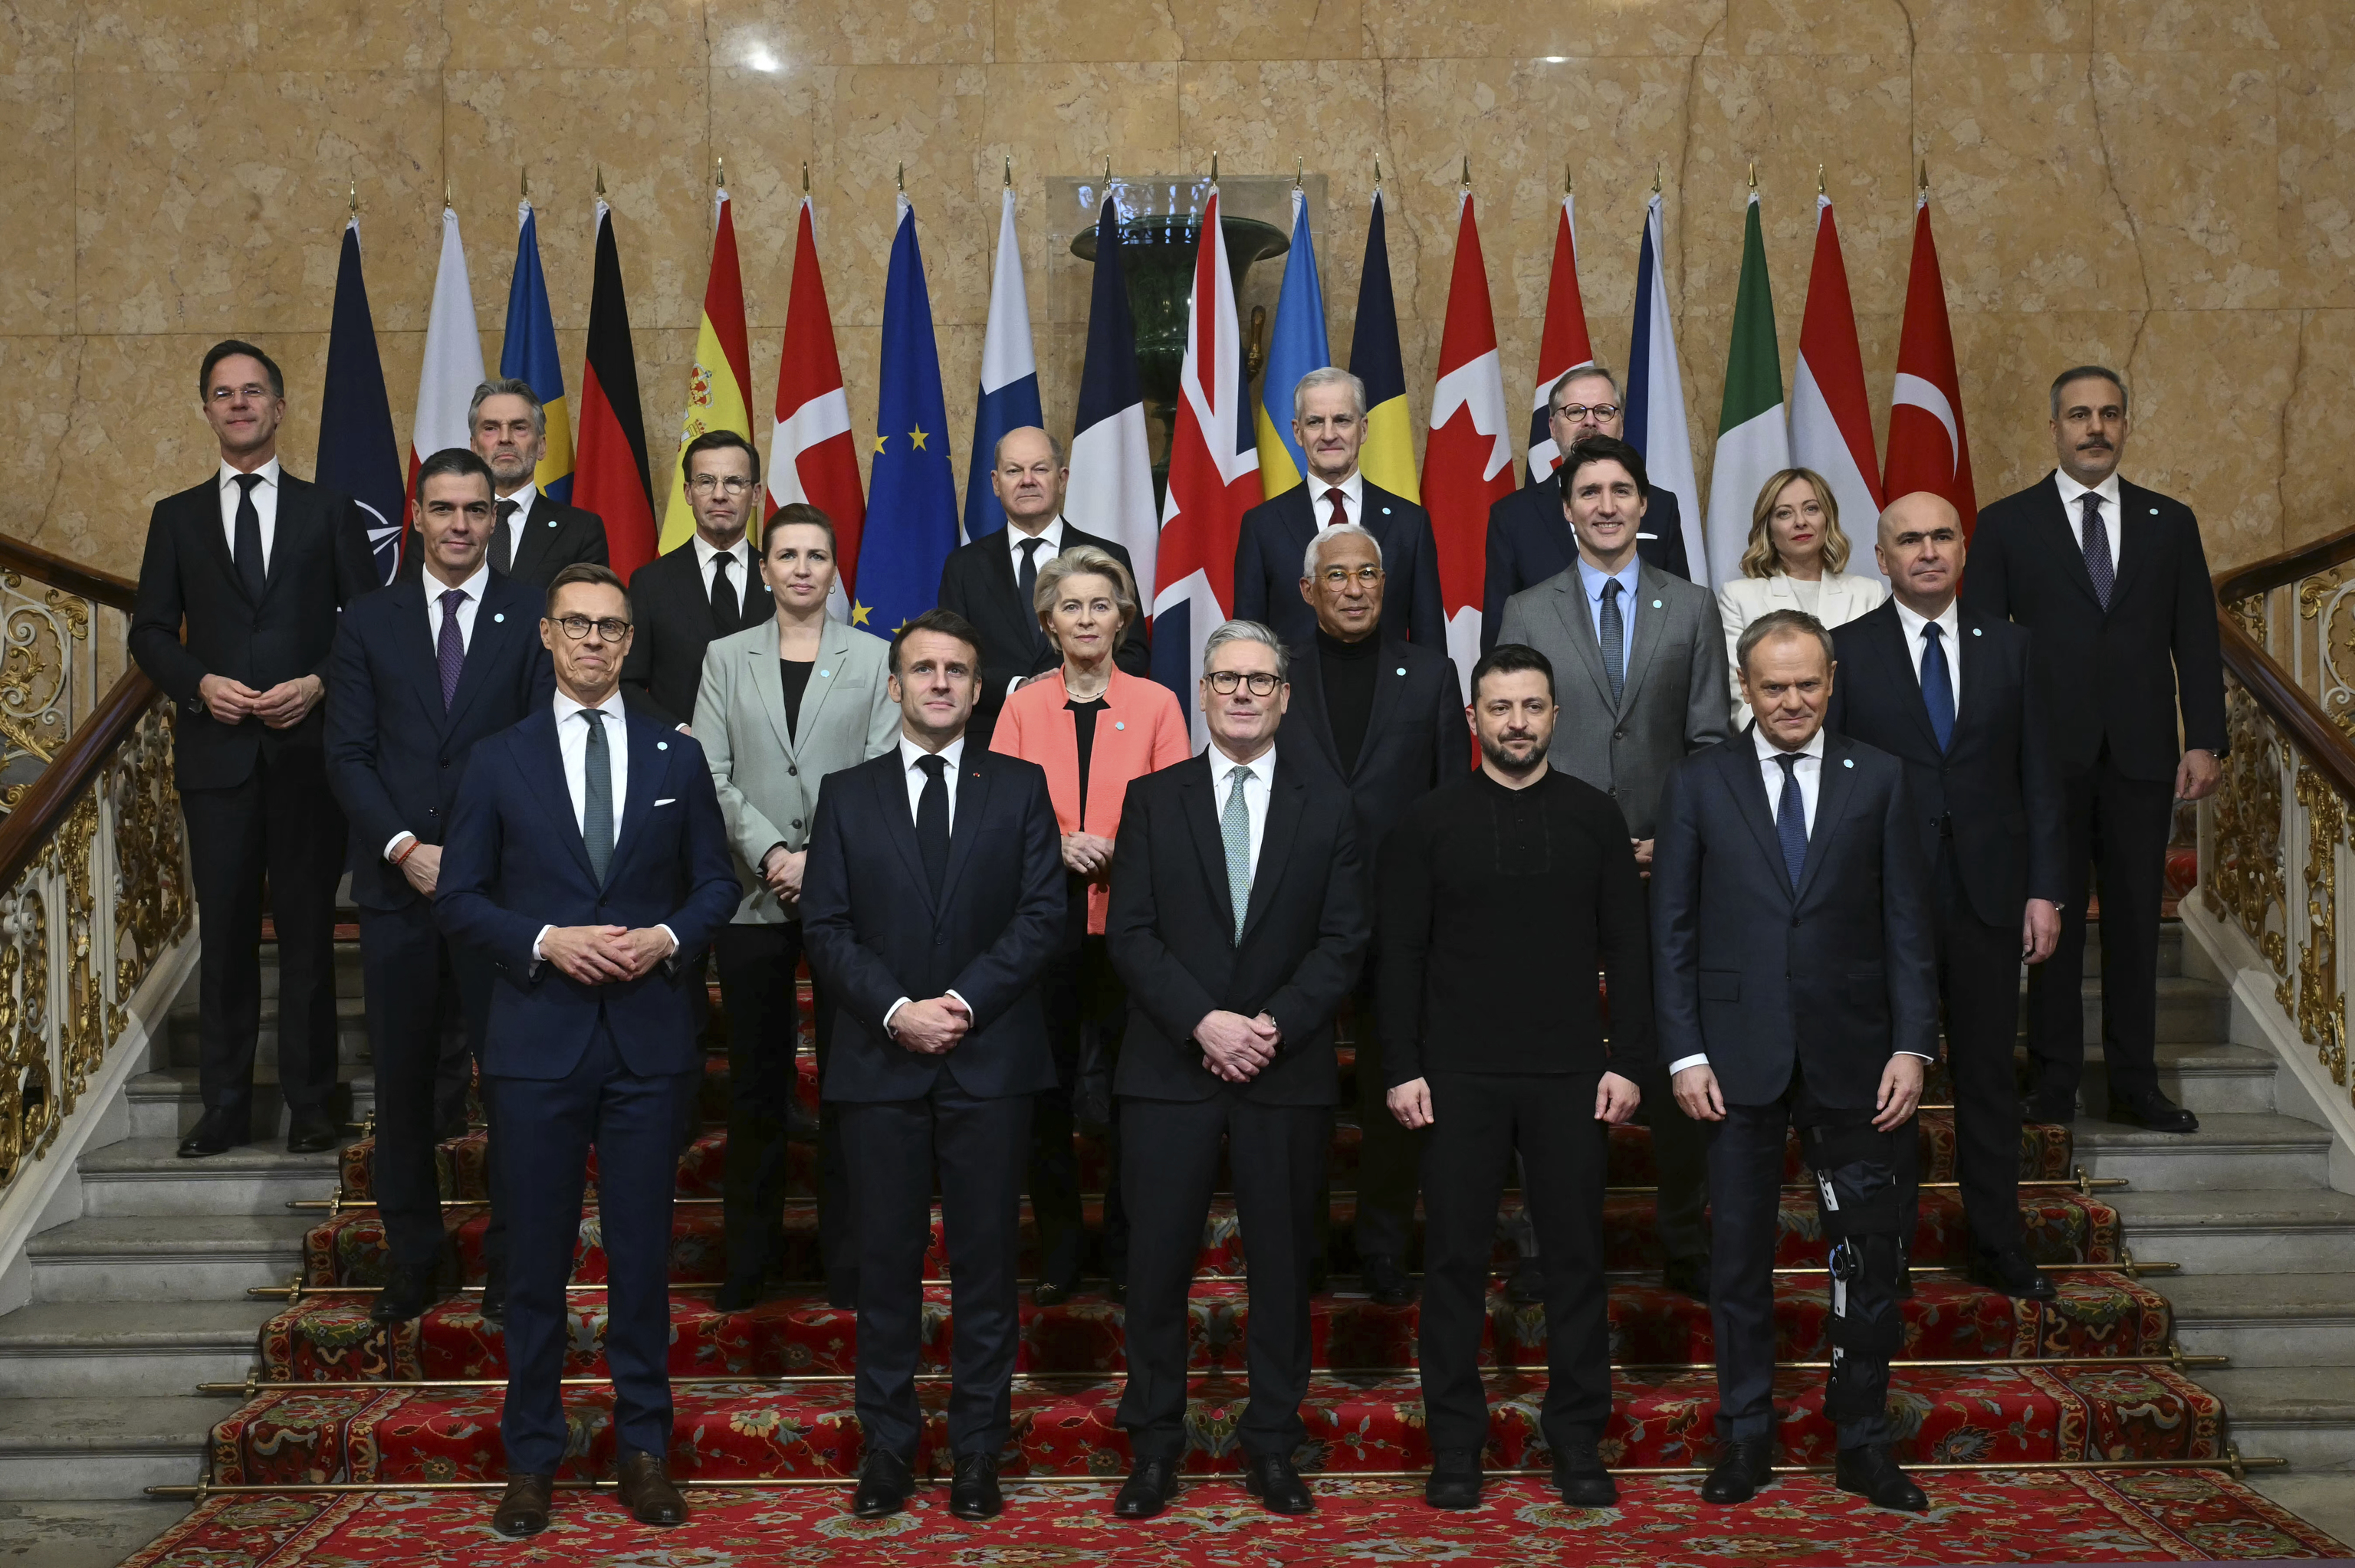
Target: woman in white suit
pixel 1794 562
pixel 783 705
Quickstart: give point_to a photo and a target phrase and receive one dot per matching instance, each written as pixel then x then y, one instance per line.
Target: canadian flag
pixel 1563 345
pixel 1831 426
pixel 812 457
pixel 453 363
pixel 1467 464
pixel 1929 449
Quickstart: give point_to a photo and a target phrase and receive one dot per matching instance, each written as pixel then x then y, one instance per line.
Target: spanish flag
pixel 716 397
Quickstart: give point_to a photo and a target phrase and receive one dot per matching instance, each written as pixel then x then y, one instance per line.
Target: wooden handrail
pixel 50 797
pixel 2275 571
pixel 101 588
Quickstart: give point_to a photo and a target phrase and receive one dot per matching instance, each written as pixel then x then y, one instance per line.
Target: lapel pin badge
pixel 1117 723
pixel 822 674
pixel 500 619
pixel 1386 511
pixel 2154 511
pixel 1655 604
pixel 661 745
pixel 1977 632
pixel 1401 669
pixel 1848 762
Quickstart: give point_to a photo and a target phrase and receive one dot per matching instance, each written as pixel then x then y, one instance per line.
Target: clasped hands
pixel 780 868
pixel 1089 855
pixel 1234 1047
pixel 282 706
pixel 600 955
pixel 933 1028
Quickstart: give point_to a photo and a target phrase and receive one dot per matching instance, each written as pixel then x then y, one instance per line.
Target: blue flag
pixel 912 514
pixel 358 454
pixel 528 353
pixel 1295 347
pixel 1009 379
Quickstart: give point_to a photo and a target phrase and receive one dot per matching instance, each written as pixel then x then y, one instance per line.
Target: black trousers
pixel 281 826
pixel 416 979
pixel 1277 1154
pixel 1387 1155
pixel 2117 827
pixel 978 1147
pixel 1084 997
pixel 757 967
pixel 1979 986
pixel 1479 1121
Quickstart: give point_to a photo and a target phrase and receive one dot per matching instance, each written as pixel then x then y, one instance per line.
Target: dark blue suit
pixel 394 758
pixel 1529 540
pixel 875 932
pixel 573 1066
pixel 1275 539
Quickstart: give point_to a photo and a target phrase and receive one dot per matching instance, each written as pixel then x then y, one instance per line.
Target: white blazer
pixel 1840 598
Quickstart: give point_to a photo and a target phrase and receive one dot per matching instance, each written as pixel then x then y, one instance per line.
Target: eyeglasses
pixel 1339 577
pixel 705 484
pixel 1226 682
pixel 252 392
pixel 1604 412
pixel 611 629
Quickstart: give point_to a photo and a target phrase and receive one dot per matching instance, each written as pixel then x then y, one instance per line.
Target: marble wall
pixel 2164 184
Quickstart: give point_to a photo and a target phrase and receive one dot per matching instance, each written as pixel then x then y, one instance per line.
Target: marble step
pixel 2239 1230
pixel 126 1349
pixel 2190 1011
pixel 146 1176
pixel 2304 1414
pixel 2204 1077
pixel 166 1103
pixel 174 1257
pixel 2231 1150
pixel 61 1448
pixel 184 1049
pixel 2266 1319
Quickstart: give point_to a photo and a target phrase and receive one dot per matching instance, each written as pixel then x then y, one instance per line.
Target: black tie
pixel 933 820
pixel 503 540
pixel 724 607
pixel 1026 579
pixel 248 552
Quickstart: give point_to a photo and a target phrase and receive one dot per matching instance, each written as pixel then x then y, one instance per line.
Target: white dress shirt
pixel 740 576
pixel 434 589
pixel 2112 511
pixel 1950 634
pixel 265 503
pixel 572 747
pixel 911 753
pixel 1256 790
pixel 1052 534
pixel 1353 498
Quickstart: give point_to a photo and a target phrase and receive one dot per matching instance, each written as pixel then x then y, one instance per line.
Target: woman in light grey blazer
pixel 1794 561
pixel 783 705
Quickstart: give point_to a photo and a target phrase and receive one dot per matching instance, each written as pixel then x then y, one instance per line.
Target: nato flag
pixel 358 454
pixel 912 513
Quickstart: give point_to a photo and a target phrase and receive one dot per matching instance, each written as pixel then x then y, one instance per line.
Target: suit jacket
pixel 549 537
pixel 1172 932
pixel 1275 538
pixel 673 610
pixel 1416 737
pixel 2111 676
pixel 1529 540
pixel 977 582
pixel 1995 787
pixel 394 755
pixel 1741 960
pixel 1839 598
pixel 515 861
pixel 1672 705
pixel 766 772
pixel 876 932
pixel 319 561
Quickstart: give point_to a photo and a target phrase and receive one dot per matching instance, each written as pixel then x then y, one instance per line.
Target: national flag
pixel 1009 377
pixel 1111 492
pixel 1469 459
pixel 609 472
pixel 1213 477
pixel 1754 432
pixel 1295 346
pixel 1831 426
pixel 1387 457
pixel 453 358
pixel 912 518
pixel 357 452
pixel 1656 390
pixel 528 353
pixel 1929 446
pixel 1562 345
pixel 718 392
pixel 812 457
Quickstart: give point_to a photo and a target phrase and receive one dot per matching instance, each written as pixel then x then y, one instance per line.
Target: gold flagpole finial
pixel 1378 171
pixel 1655 176
pixel 1569 184
pixel 1296 167
pixel 1819 179
pixel 1214 166
pixel 1466 180
pixel 600 182
pixel 902 177
pixel 719 173
pixel 804 177
pixel 1107 179
pixel 1925 174
pixel 1009 171
pixel 356 196
pixel 526 184
pixel 1754 174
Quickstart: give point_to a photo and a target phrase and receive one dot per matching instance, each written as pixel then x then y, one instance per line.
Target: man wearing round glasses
pixel 707 587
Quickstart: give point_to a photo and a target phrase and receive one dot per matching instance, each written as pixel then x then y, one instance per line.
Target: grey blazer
pixel 1674 702
pixel 768 776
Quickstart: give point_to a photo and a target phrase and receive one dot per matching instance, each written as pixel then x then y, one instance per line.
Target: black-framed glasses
pixel 1226 682
pixel 1339 576
pixel 1574 412
pixel 612 628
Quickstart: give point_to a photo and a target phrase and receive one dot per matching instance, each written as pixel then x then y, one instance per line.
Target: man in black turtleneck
pixel 1385 717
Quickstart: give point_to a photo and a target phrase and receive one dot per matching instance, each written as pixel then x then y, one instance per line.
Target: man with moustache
pixel 537 535
pixel 707 588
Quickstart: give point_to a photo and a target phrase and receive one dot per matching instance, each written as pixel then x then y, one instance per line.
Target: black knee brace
pixel 1857 1196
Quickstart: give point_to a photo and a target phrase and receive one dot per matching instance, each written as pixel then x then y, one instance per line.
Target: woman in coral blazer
pixel 1093 728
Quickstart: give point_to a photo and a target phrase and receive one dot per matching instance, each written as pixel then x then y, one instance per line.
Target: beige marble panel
pixel 36 197
pixel 2317 483
pixel 2002 26
pixel 37 38
pixel 1035 32
pixel 2312 24
pixel 487 34
pixel 1816 27
pixel 930 117
pixel 2007 361
pixel 763 34
pixel 167 35
pixel 768 124
pixel 2210 389
pixel 39 373
pixel 1441 30
pixel 1061 119
pixel 2318 180
pixel 2200 25
pixel 2189 141
pixel 348 34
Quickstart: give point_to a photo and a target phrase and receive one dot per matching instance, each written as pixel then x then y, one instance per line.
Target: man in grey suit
pixel 1640 661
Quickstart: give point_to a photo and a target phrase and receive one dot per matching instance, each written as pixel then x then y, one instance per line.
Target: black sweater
pixel 1497 906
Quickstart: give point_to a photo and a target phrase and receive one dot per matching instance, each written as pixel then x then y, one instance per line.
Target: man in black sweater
pixel 1517 869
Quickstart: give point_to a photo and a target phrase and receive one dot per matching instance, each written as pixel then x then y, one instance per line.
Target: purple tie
pixel 2097 541
pixel 450 652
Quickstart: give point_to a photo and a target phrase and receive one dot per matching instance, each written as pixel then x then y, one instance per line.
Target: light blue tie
pixel 1234 826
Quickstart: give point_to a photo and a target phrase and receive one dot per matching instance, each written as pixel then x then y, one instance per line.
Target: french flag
pixel 1111 492
pixel 1009 378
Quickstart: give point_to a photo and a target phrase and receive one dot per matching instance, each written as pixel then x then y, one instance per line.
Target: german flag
pixel 608 475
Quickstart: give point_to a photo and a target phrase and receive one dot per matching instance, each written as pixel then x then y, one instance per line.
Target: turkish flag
pixel 1929 447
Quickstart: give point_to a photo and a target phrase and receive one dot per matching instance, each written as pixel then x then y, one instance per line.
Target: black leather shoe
pixel 1579 1474
pixel 523 1507
pixel 494 1307
pixel 1527 1287
pixel 1270 1479
pixel 1747 1464
pixel 2010 1271
pixel 215 1132
pixel 1054 1293
pixel 1386 1282
pixel 405 1295
pixel 2152 1110
pixel 310 1132
pixel 1150 1485
pixel 1871 1474
pixel 642 1483
pixel 1688 1276
pixel 2049 1111
pixel 1454 1479
pixel 885 1479
pixel 974 1493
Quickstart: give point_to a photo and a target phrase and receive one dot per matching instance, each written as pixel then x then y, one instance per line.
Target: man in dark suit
pixel 1794 985
pixel 1956 697
pixel 1529 536
pixel 932 902
pixel 2114 582
pixel 1384 720
pixel 415 680
pixel 257 563
pixel 588 859
pixel 1329 420
pixel 1239 921
pixel 535 535
pixel 707 588
pixel 990 582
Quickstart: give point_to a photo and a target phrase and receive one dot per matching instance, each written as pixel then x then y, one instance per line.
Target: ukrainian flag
pixel 1387 457
pixel 528 353
pixel 1294 348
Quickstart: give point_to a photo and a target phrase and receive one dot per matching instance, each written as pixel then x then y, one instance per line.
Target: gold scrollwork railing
pixel 51 610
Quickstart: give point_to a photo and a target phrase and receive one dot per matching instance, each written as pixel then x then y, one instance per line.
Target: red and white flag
pixel 1929 447
pixel 1831 425
pixel 812 457
pixel 1563 345
pixel 1467 462
pixel 1213 477
pixel 453 363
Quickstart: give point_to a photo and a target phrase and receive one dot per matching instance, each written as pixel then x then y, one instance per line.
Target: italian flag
pixel 1754 437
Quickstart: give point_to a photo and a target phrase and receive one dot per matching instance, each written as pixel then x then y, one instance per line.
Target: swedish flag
pixel 528 353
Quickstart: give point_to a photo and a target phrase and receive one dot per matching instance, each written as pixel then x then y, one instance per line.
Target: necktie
pixel 450 648
pixel 2098 564
pixel 1612 630
pixel 248 537
pixel 1340 508
pixel 1791 820
pixel 933 820
pixel 724 606
pixel 1937 685
pixel 503 538
pixel 1025 582
pixel 596 797
pixel 1234 827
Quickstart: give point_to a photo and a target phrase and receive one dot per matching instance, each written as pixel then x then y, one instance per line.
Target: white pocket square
pixel 665 801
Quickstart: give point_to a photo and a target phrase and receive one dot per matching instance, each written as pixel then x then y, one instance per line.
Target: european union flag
pixel 911 515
